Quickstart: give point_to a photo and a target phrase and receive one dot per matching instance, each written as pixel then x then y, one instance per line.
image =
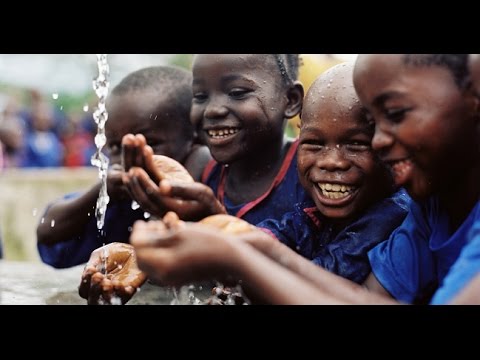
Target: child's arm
pixel 198 253
pixel 68 217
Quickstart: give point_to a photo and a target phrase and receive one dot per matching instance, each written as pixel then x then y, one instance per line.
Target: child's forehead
pixel 333 88
pixel 235 61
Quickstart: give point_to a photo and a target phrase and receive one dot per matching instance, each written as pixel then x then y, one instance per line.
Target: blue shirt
pixel 343 252
pixel 279 199
pixel 415 261
pixel 119 219
pixel 42 149
pixel 464 269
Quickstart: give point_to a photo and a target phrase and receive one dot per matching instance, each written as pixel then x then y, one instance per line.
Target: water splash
pixel 101 85
pixel 100 115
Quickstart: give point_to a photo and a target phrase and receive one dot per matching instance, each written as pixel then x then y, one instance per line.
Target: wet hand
pixel 122 279
pixel 116 189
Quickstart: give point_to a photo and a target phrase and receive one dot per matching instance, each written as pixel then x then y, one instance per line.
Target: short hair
pixel 457 64
pixel 288 65
pixel 173 82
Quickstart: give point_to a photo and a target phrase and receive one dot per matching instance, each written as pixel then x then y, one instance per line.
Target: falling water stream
pixel 101 85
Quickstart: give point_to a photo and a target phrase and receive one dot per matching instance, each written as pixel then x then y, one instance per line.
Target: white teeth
pixel 335 191
pixel 223 133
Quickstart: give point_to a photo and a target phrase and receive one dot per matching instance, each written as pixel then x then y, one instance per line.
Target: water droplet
pixel 323 97
pixel 34 212
pixel 61 107
pixel 42 220
pixel 52 223
pixel 334 119
pixel 85 107
pixel 54 96
pixel 135 205
pixel 337 146
pixel 146 215
pixel 88 214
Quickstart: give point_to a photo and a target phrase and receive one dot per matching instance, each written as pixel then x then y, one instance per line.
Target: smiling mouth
pixel 401 170
pixel 336 191
pixel 222 133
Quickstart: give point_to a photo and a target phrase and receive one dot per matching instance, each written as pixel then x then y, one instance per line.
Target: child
pixel 354 206
pixel 154 102
pixel 241 103
pixel 427 123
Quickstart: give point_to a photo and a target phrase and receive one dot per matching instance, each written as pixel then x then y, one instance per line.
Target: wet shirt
pixel 279 199
pixel 423 255
pixel 119 219
pixel 342 252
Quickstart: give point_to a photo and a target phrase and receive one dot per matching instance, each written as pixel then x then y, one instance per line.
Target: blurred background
pixel 47 130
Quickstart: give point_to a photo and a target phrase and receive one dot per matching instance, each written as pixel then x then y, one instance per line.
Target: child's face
pixel 238 102
pixel 474 65
pixel 336 163
pixel 424 128
pixel 147 113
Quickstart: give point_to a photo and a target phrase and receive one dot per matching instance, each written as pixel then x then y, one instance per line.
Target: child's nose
pixel 215 109
pixel 381 139
pixel 333 159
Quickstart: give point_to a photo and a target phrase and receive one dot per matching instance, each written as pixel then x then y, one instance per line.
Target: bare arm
pixel 69 217
pixel 277 276
pixel 336 286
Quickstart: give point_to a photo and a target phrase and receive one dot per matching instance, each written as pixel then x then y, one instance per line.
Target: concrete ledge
pixel 24 195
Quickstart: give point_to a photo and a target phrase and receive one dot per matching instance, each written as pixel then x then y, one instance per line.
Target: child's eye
pixel 237 93
pixel 199 97
pixel 396 115
pixel 358 146
pixel 311 145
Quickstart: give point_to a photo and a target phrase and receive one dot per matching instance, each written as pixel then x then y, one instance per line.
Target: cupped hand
pixel 122 278
pixel 174 253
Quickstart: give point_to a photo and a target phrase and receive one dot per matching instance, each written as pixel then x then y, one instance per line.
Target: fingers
pixel 84 288
pixel 132 151
pixel 199 192
pixel 147 234
pixel 172 221
pixel 149 164
pixel 143 190
pixel 128 151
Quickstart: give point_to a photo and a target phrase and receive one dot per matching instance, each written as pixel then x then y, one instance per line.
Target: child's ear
pixel 473 99
pixel 295 99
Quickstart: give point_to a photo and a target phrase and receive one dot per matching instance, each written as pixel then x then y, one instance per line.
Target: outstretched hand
pixel 174 253
pixel 159 184
pixel 122 279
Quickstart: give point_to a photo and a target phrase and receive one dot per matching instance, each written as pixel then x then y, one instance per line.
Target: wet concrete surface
pixel 32 283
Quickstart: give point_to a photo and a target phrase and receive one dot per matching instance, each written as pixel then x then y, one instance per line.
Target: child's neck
pixel 462 196
pixel 249 178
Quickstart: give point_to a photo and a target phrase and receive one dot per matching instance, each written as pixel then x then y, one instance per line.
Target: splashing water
pixel 100 85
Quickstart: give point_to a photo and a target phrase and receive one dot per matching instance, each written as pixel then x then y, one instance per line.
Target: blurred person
pixel 42 147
